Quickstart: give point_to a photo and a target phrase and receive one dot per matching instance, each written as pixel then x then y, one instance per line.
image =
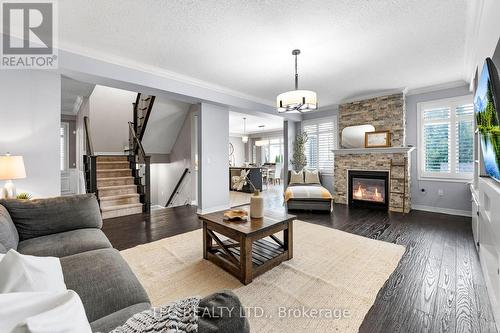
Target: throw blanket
pixel 310 192
pixel 178 317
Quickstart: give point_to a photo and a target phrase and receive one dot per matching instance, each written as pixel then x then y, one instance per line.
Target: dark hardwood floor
pixel 437 287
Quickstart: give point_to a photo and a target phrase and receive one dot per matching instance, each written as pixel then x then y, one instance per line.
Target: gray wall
pixel 213 174
pixel 239 154
pixel 29 126
pixel 496 56
pixel 456 194
pixel 331 111
pixel 164 176
pixel 164 125
pixel 110 111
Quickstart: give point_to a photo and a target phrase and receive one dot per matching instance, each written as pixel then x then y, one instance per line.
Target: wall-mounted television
pixel 487 111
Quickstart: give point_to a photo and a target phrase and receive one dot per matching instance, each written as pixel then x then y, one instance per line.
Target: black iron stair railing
pixel 141 168
pixel 89 160
pixel 176 190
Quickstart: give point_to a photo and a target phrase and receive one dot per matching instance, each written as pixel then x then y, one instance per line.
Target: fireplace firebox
pixel 368 189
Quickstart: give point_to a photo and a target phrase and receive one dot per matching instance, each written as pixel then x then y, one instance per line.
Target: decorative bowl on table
pixel 236 215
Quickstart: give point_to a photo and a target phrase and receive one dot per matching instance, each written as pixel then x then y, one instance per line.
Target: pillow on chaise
pixel 312 177
pixel 296 177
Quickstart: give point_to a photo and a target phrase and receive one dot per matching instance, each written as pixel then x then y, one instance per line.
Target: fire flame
pixel 359 192
pixel 364 194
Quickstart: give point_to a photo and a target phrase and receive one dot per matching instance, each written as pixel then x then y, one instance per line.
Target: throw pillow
pixel 296 177
pixel 23 273
pixel 312 177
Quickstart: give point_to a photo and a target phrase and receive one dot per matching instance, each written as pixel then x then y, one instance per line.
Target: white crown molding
pixel 162 72
pixel 374 95
pixel 448 211
pixel 442 86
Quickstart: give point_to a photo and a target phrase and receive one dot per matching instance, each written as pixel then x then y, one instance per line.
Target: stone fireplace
pixel 384 113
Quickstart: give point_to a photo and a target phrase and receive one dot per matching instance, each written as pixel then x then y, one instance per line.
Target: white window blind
pixel 446 138
pixel 322 138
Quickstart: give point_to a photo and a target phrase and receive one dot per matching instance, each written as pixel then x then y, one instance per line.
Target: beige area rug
pixel 328 286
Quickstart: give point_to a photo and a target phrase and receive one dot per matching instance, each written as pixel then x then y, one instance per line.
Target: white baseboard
pixel 448 211
pixel 212 209
pixel 156 207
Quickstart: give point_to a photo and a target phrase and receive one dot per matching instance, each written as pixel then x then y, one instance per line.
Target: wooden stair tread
pixel 118 207
pixel 111 162
pixel 116 187
pixel 115 178
pixel 119 196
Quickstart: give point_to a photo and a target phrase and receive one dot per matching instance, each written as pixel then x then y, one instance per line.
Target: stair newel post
pixel 135 115
pixel 147 184
pixel 91 173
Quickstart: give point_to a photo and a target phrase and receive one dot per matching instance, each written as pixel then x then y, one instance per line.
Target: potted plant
pixel 299 159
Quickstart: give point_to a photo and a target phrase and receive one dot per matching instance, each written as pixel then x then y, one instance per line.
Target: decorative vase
pixel 256 205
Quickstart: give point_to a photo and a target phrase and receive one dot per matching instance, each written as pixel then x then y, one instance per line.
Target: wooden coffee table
pixel 251 247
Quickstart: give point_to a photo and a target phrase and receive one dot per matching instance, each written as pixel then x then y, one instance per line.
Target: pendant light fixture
pixel 244 137
pixel 297 100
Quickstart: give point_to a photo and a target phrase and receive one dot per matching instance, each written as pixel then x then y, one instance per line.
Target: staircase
pixel 118 193
pixel 122 182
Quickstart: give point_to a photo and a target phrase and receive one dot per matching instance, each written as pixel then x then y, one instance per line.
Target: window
pixel 272 150
pixel 64 146
pixel 322 139
pixel 446 139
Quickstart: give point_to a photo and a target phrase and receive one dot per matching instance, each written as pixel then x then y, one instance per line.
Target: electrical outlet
pixel 441 192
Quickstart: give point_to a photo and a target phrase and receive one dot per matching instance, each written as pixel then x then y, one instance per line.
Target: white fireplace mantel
pixel 385 150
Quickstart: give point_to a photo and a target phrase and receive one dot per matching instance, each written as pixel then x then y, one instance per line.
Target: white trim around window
pixel 64 146
pixel 442 117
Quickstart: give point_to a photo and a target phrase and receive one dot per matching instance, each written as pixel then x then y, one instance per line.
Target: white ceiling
pixel 72 94
pixel 253 123
pixel 349 47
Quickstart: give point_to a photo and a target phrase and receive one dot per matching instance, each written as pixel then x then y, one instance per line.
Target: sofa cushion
pixel 9 237
pixel 40 217
pixel 118 318
pixel 104 281
pixel 65 243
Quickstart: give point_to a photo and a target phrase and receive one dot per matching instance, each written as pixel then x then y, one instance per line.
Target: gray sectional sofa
pixel 69 228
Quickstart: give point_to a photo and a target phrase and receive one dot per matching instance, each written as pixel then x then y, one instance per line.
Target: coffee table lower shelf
pixel 265 255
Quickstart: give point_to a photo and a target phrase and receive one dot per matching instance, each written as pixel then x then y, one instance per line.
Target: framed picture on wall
pixel 377 139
